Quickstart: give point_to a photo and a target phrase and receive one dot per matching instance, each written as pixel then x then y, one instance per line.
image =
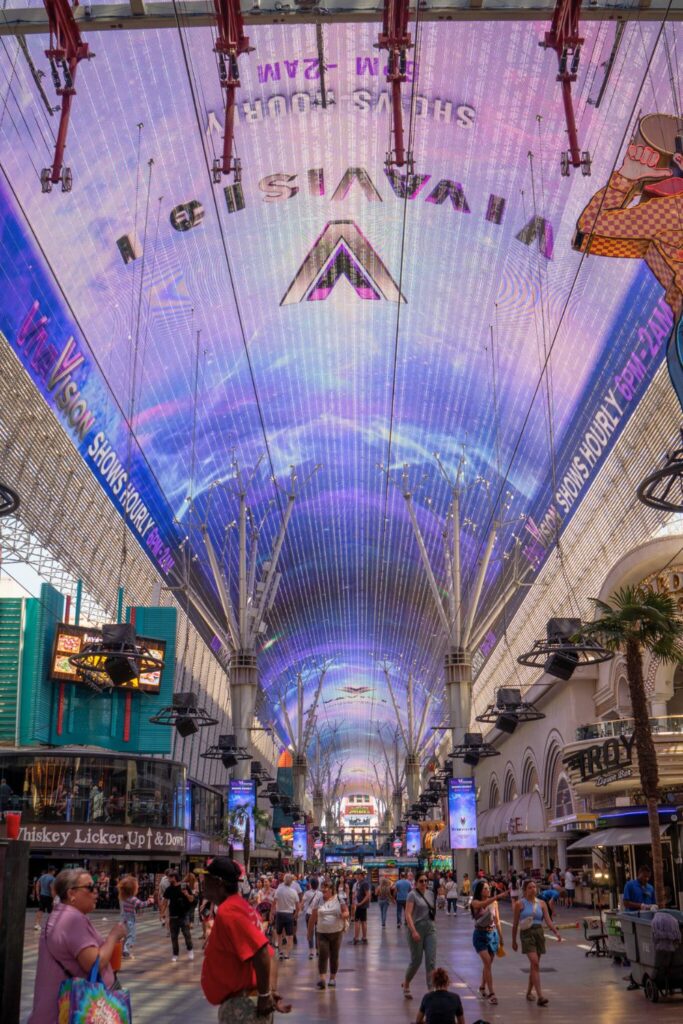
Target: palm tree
pixel 636 620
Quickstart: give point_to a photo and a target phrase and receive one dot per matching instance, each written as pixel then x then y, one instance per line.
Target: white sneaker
pixel 174 959
pixel 190 954
pixel 36 927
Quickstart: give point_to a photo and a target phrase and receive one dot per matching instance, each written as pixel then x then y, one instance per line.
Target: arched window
pixel 564 805
pixel 494 793
pixel 529 775
pixel 623 698
pixel 510 788
pixel 675 705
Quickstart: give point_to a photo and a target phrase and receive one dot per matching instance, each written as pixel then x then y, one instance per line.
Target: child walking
pixel 130 906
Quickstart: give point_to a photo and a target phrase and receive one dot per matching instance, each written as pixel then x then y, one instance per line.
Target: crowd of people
pixel 250 924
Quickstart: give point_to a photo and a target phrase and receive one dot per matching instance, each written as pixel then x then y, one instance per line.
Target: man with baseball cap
pixel 239 972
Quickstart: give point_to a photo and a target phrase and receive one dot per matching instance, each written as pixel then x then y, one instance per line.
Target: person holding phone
pixel 487 937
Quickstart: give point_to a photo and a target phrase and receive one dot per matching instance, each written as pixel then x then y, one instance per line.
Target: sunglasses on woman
pixel 91 887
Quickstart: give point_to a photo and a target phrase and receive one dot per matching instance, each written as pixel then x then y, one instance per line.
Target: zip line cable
pixel 133 368
pixel 563 311
pixel 381 577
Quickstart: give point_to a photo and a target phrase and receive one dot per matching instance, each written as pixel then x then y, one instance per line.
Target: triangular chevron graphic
pixel 341 250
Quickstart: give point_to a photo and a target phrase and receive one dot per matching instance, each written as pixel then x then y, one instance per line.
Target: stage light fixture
pixel 564 650
pixel 227 751
pixel 185 714
pixel 507 722
pixel 186 726
pixel 662 489
pixel 473 748
pixel 117 658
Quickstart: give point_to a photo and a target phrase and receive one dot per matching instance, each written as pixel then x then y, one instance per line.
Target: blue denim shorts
pixel 485 940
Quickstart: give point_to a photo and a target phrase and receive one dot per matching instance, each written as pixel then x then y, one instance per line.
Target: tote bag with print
pixel 89 1001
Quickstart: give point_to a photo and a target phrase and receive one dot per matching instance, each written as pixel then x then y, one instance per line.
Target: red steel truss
pixel 565 40
pixel 67 49
pixel 395 39
pixel 230 44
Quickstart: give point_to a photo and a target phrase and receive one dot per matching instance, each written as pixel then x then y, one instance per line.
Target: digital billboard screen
pixel 413 840
pixel 70 640
pixel 300 842
pixel 241 804
pixel 462 814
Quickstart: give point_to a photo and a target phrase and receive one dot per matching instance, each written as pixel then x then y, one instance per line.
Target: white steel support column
pixel 412 768
pixel 457 612
pixel 245 611
pixel 243 690
pixel 318 806
pixel 299 773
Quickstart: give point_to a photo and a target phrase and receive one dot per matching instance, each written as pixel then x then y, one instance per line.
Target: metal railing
pixel 624 727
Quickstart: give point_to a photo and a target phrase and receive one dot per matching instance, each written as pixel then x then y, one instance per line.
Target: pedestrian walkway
pixel 582 990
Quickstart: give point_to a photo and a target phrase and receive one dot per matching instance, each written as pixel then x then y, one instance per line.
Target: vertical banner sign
pixel 300 842
pixel 241 805
pixel 413 840
pixel 462 814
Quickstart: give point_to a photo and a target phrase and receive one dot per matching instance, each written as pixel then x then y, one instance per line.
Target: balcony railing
pixel 624 727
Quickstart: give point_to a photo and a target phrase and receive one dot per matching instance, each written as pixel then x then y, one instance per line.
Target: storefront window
pixel 108 790
pixel 92 789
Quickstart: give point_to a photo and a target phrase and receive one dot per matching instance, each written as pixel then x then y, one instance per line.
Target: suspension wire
pixel 614 91
pixel 196 104
pixel 675 64
pixel 135 228
pixel 147 317
pixel 672 80
pixel 380 579
pixel 83 334
pixel 228 262
pixel 550 406
pixel 565 305
pixel 193 463
pixel 10 92
pixel 133 378
pixel 13 70
pixel 585 87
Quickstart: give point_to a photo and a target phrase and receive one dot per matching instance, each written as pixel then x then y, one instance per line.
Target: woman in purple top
pixel 69 945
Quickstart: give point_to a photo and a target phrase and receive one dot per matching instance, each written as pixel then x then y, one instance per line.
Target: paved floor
pixel 581 989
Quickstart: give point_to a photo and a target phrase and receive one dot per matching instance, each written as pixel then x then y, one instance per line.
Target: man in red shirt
pixel 239 972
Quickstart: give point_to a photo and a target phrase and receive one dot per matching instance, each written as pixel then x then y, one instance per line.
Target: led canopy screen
pixel 462 814
pixel 334 314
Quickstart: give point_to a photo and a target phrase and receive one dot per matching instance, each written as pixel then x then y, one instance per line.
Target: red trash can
pixel 13 821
